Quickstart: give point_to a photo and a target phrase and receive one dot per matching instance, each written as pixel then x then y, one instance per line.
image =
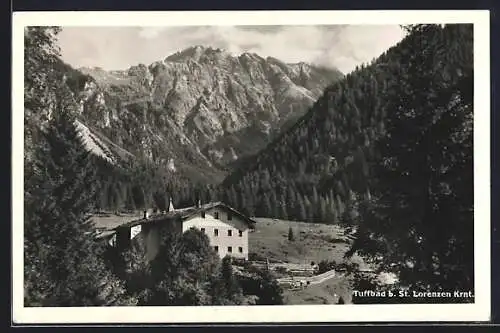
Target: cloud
pixel 341 46
pixel 150 32
pixel 359 44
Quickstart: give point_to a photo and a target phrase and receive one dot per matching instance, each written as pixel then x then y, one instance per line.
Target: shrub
pixel 325 266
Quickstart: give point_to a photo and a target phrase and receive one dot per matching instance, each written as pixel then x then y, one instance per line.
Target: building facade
pixel 227 231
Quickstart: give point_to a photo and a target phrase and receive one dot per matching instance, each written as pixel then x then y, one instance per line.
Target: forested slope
pixel 389 152
pixel 313 170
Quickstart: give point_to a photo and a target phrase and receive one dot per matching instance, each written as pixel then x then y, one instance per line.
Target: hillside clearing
pixel 313 242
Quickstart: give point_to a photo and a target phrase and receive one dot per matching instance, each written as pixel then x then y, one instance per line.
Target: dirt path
pixel 317 279
pixel 322 277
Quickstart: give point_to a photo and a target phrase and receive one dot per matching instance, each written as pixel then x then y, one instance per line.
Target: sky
pixel 339 46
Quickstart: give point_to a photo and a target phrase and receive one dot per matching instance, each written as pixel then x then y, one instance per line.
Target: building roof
pixel 196 210
pixel 131 220
pixel 111 221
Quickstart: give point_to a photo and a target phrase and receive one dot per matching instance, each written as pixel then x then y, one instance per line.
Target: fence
pixel 294 283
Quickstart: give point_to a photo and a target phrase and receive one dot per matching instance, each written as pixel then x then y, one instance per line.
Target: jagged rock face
pixel 201 105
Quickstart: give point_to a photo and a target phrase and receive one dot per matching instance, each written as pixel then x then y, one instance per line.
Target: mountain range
pixel 198 111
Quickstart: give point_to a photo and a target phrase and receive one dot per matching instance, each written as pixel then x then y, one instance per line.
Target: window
pixel 229 249
pixel 216 248
pixel 229 232
pixel 240 233
pixel 216 215
pixel 216 232
pixel 202 229
pixel 240 249
pixel 229 216
pixel 202 214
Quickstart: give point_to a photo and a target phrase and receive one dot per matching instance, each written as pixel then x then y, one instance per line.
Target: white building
pixel 226 228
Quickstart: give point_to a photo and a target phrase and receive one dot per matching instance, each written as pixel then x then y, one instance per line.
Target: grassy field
pixel 313 242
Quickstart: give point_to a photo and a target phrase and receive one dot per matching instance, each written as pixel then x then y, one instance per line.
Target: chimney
pixel 199 203
pixel 171 206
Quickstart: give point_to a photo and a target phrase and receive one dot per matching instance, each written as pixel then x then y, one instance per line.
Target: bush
pixel 252 256
pixel 263 285
pixel 281 270
pixel 325 266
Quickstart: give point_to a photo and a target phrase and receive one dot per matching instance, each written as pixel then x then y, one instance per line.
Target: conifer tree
pixel 422 213
pixel 301 208
pixel 63 266
pixel 266 206
pixel 270 291
pixel 283 212
pixel 183 271
pixel 225 289
pixel 40 54
pixel 129 201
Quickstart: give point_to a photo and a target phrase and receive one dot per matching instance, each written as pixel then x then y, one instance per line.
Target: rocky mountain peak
pixel 198 53
pixel 216 106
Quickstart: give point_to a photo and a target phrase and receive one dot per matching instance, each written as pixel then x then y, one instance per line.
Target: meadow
pixel 313 242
